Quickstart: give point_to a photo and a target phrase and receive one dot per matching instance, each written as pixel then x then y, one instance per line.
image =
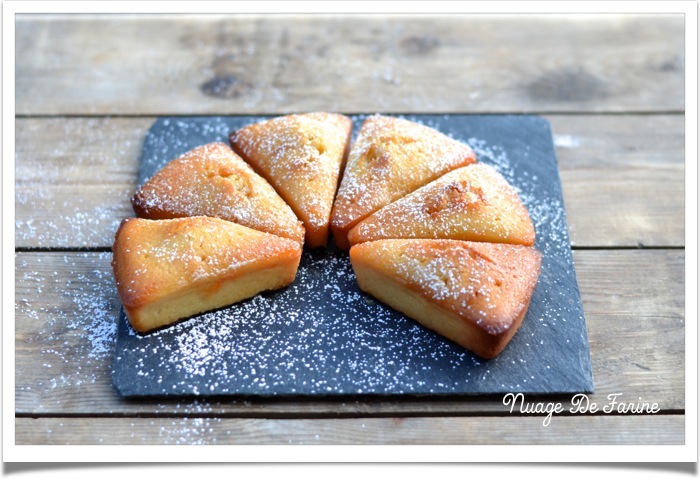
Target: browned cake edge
pixel 147 311
pixel 484 342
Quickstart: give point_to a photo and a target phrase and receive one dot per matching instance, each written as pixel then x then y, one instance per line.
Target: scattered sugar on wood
pixel 566 141
pixel 80 329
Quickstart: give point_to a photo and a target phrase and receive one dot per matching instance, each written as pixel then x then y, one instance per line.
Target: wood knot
pixel 419 45
pixel 225 86
pixel 568 85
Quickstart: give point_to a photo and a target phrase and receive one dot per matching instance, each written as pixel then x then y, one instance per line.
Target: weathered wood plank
pixel 622 176
pixel 590 142
pixel 198 64
pixel 66 309
pixel 625 207
pixel 507 430
pixel 74 178
pixel 623 300
pixel 78 151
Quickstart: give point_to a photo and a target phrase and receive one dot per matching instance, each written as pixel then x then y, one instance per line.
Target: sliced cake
pixel 301 156
pixel 391 158
pixel 473 203
pixel 172 269
pixel 212 180
pixel 475 294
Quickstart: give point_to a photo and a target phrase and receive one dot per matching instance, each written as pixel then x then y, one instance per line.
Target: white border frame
pixel 403 454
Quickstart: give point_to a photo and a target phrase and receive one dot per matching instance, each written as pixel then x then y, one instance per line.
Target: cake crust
pixel 473 203
pixel 301 156
pixel 167 270
pixel 391 158
pixel 475 294
pixel 212 180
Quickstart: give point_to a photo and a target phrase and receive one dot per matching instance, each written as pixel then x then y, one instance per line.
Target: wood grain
pixel 66 310
pixel 73 187
pixel 507 430
pixel 74 179
pixel 631 173
pixel 199 64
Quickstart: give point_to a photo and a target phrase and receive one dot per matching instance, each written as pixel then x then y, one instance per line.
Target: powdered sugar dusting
pixel 322 335
pixel 566 141
pixel 301 156
pixel 77 328
pixel 487 284
pixel 211 180
pixel 298 340
pixel 78 151
pixel 390 158
pixel 546 209
pixel 495 156
pixel 46 217
pixel 469 203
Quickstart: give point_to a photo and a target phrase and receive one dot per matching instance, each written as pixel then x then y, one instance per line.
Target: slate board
pixel 323 336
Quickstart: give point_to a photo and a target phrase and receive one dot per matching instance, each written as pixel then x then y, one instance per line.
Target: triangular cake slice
pixel 167 270
pixel 212 180
pixel 473 203
pixel 302 156
pixel 475 294
pixel 391 158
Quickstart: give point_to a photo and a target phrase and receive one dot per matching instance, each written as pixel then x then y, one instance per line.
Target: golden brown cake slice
pixel 211 180
pixel 475 294
pixel 301 155
pixel 391 158
pixel 473 203
pixel 168 270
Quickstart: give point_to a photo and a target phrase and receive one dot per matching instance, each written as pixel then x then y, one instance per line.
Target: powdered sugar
pixel 76 327
pixel 45 218
pixel 488 284
pixel 301 156
pixel 390 158
pixel 566 141
pixel 470 203
pixel 211 180
pixel 297 340
pixel 322 335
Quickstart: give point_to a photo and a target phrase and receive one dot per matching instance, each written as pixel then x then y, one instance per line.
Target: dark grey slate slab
pixel 323 336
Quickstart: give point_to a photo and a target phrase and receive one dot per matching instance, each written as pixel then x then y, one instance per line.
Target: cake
pixel 211 180
pixel 475 294
pixel 430 232
pixel 301 156
pixel 473 203
pixel 390 158
pixel 167 270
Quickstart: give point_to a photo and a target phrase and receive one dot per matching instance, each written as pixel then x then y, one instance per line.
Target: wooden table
pixel 88 87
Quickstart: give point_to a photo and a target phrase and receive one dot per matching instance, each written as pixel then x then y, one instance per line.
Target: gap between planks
pixel 340 415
